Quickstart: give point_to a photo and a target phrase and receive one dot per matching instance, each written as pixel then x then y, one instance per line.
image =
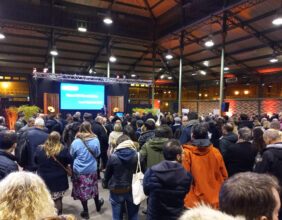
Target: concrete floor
pixel 74 206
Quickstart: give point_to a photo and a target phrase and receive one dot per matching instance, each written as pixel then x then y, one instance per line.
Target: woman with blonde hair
pixel 52 159
pixel 85 149
pixel 114 135
pixel 24 196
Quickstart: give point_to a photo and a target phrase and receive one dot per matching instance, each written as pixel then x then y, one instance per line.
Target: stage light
pixel 113 59
pixel 246 92
pixel 2 36
pixel 54 51
pixel 236 92
pixel 226 68
pixel 170 77
pixel 278 19
pixel 45 70
pixel 206 63
pixel 206 95
pixel 108 20
pixel 82 29
pixel 209 43
pixel 51 109
pixel 203 72
pixel 34 70
pixel 133 75
pixel 273 58
pixel 5 85
pixel 169 55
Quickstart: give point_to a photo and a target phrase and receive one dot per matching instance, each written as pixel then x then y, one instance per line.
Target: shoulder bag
pixel 88 148
pixel 68 170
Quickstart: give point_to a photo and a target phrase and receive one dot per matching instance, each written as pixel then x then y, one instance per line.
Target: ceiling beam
pixel 150 10
pixel 140 59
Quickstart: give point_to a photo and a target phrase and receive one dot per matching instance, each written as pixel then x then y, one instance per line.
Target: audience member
pixel 275 124
pixel 20 121
pixel 207 167
pixel 186 131
pixel 52 124
pixel 52 160
pixel 176 125
pixel 114 135
pixel 118 178
pixel 167 184
pixel 240 157
pixel 147 132
pixel 139 124
pixel 84 150
pixel 228 138
pixel 24 196
pixel 152 151
pixel 8 163
pixel 28 126
pixel 3 126
pixel 71 130
pixel 244 122
pixel 254 196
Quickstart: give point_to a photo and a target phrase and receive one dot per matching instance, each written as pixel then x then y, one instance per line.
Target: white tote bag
pixel 137 184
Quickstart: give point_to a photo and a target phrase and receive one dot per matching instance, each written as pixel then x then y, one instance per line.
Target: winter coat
pixel 166 184
pixel 7 164
pixel 34 137
pixel 101 133
pixel 240 157
pixel 51 172
pixel 69 133
pixel 226 141
pixel 248 124
pixel 53 125
pixel 114 135
pixel 145 136
pixel 271 161
pixel 152 151
pixel 186 131
pixel 175 127
pixel 208 169
pixel 84 162
pixel 18 125
pixel 121 166
pixel 3 128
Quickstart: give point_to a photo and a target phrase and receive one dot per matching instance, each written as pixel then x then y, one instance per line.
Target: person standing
pixel 206 164
pixel 228 138
pixel 71 130
pixel 167 184
pixel 148 132
pixel 186 131
pixel 84 150
pixel 3 126
pixel 52 159
pixel 20 121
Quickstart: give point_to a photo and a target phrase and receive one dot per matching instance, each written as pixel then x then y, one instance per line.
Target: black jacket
pixel 226 141
pixel 239 157
pixel 7 164
pixel 248 124
pixel 271 161
pixel 70 132
pixel 146 136
pixel 3 128
pixel 34 137
pixel 53 125
pixel 101 133
pixel 166 184
pixel 51 172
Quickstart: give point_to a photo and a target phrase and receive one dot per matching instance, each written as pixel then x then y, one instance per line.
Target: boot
pixel 99 203
pixel 84 214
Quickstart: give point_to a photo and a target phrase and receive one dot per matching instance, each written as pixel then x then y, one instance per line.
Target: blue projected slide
pixel 82 96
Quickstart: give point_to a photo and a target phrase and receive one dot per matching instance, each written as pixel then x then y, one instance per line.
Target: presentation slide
pixel 82 96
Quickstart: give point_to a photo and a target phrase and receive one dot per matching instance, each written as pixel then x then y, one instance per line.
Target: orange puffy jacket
pixel 208 169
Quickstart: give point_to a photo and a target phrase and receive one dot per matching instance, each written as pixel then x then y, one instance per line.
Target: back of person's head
pixel 251 195
pixel 39 122
pixel 163 121
pixel 203 212
pixel 244 117
pixel 149 124
pixel 76 117
pixel 139 123
pixel 192 116
pixel 87 116
pixel 245 134
pixel 31 121
pixel 118 127
pixel 8 139
pixel 51 117
pixel 122 138
pixel 266 124
pixel 2 120
pixel 171 149
pixel 53 145
pixel 85 127
pixel 272 136
pixel 177 120
pixel 99 119
pixel 228 127
pixel 24 196
pixel 164 131
pixel 258 140
pixel 200 131
pixel 275 124
pixel 20 114
pixel 130 132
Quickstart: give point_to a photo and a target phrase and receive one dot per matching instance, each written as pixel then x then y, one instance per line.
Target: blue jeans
pixel 118 200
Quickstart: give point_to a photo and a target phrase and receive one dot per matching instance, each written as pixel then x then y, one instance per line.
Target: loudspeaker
pixel 225 107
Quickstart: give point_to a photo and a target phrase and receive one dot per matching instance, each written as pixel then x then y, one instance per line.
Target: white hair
pixel 39 122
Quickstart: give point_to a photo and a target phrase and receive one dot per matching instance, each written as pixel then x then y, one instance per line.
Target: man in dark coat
pixel 20 122
pixel 71 130
pixel 167 184
pixel 52 124
pixel 3 126
pixel 186 131
pixel 34 138
pixel 148 132
pixel 228 138
pixel 244 122
pixel 240 157
pixel 8 163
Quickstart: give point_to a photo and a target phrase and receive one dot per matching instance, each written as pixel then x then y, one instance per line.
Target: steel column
pixel 108 64
pixel 180 71
pixel 153 78
pixel 53 65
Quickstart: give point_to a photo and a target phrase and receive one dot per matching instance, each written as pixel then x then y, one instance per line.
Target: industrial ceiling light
pixel 113 59
pixel 169 55
pixel 273 58
pixel 2 36
pixel 108 20
pixel 226 68
pixel 209 43
pixel 203 72
pixel 133 75
pixel 170 77
pixel 206 63
pixel 45 70
pixel 277 21
pixel 82 29
pixel 54 51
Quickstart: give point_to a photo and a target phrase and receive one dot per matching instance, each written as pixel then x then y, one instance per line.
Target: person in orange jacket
pixel 207 166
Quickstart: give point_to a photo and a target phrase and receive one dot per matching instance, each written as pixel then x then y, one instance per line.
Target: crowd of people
pixel 195 167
